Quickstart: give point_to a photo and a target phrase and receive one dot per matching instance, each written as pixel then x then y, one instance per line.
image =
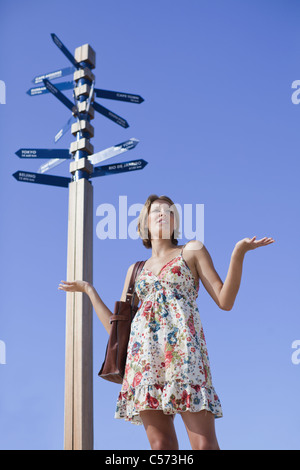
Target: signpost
pixel 54 75
pixel 78 418
pixel 117 95
pixel 43 153
pixel 51 180
pixel 96 157
pixel 39 90
pixel 55 91
pixel 64 129
pixel 118 168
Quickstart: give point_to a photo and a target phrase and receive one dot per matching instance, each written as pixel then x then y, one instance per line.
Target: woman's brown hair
pixel 142 226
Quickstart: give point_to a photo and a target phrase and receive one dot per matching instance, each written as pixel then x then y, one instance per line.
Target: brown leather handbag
pixel 113 367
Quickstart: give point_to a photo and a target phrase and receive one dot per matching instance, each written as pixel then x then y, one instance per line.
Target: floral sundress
pixel 167 366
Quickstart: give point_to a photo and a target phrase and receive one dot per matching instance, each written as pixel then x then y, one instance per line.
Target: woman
pixel 167 369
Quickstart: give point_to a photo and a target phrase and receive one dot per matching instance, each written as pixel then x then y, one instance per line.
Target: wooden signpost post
pixel 78 418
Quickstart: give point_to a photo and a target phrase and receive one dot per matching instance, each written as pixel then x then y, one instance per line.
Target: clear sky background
pixel 218 127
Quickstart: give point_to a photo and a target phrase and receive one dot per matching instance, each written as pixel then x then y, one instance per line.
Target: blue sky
pixel 218 127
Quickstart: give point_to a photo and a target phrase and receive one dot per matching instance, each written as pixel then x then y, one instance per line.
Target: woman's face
pixel 161 220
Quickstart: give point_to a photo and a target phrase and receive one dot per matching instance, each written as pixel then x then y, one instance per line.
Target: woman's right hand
pixel 74 286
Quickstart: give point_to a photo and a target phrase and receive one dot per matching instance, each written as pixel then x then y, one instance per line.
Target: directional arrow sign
pixel 96 157
pixel 118 95
pixel 64 50
pixel 90 97
pixel 112 151
pixel 43 153
pixel 60 95
pixel 118 168
pixel 53 75
pixel 110 115
pixel 64 129
pixel 39 90
pixel 51 164
pixel 42 179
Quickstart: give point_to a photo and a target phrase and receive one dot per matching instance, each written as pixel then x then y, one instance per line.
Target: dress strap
pixel 183 248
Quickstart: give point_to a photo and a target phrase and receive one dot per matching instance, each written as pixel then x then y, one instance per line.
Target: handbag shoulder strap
pixel 135 272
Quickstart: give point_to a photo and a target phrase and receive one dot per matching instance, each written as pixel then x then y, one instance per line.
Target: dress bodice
pixel 174 279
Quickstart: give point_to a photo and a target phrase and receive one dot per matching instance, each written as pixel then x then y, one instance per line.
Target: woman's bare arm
pixel 206 271
pixel 232 282
pixel 126 285
pixel 224 294
pixel 100 308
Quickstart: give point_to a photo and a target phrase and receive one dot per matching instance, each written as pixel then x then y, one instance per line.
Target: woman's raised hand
pixel 251 243
pixel 74 286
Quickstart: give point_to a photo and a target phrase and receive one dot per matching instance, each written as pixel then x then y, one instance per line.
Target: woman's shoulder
pixel 193 245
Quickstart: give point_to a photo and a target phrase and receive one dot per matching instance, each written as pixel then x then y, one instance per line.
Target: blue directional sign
pixel 43 153
pixel 51 180
pixel 110 115
pixel 60 95
pixel 39 90
pixel 118 95
pixel 118 168
pixel 54 75
pixel 64 50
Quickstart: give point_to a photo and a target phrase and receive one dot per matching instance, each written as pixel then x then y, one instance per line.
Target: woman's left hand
pixel 251 243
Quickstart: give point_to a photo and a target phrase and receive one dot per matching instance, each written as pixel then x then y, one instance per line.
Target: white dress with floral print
pixel 167 366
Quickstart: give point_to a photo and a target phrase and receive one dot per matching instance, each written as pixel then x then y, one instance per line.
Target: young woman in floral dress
pixel 167 369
